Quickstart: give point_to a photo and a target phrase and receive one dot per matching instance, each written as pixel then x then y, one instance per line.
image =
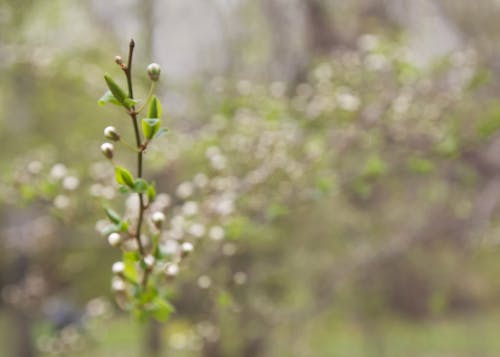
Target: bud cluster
pixel 144 258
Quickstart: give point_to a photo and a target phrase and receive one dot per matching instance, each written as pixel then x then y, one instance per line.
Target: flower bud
pixel 107 150
pixel 154 70
pixel 158 218
pixel 111 133
pixel 118 60
pixel 172 270
pixel 118 268
pixel 149 260
pixel 117 284
pixel 114 239
pixel 187 248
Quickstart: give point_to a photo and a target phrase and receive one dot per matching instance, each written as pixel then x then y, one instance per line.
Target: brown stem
pixel 133 115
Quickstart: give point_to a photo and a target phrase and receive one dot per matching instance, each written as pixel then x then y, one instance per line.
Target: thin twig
pixel 133 115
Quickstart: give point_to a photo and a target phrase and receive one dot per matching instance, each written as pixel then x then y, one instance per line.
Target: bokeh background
pixel 349 149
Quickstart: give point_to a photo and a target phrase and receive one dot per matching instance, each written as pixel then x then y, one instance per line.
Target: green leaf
pixel 129 102
pixel 419 165
pixel 130 272
pixel 124 177
pixel 237 226
pixel 161 309
pixel 108 97
pixel 140 185
pixel 224 299
pixel 131 256
pixel 112 228
pixel 123 189
pixel 123 226
pixel 117 92
pixel 151 192
pixel 150 127
pixel 146 296
pixel 140 315
pixel 276 210
pixel 154 110
pixel 28 192
pixel 375 167
pixel 161 132
pixel 112 215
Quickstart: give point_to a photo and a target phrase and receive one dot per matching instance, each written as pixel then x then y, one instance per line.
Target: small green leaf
pixel 224 299
pixel 140 315
pixel 150 127
pixel 276 210
pixel 131 256
pixel 161 132
pixel 117 92
pixel 146 296
pixel 130 272
pixel 123 226
pixel 123 189
pixel 112 228
pixel 108 97
pixel 124 177
pixel 112 215
pixel 28 192
pixel 140 185
pixel 154 110
pixel 161 309
pixel 129 102
pixel 151 192
pixel 375 166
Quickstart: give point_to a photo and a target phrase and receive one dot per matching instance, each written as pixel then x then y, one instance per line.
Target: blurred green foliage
pixel 359 202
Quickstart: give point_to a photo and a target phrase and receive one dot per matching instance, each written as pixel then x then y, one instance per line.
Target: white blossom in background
pixel 71 183
pixel 185 190
pixel 240 278
pixel 197 230
pixel 35 167
pixel 190 208
pixel 62 202
pixel 216 233
pixel 200 180
pixel 169 247
pixel 172 269
pixel 58 171
pixel 204 282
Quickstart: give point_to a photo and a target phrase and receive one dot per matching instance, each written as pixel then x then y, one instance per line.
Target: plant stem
pixel 133 115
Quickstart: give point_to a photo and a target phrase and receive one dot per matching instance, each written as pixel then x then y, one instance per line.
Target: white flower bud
pixel 154 71
pixel 118 268
pixel 107 150
pixel 187 248
pixel 158 218
pixel 172 270
pixel 149 260
pixel 117 284
pixel 111 133
pixel 114 239
pixel 131 245
pixel 118 60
